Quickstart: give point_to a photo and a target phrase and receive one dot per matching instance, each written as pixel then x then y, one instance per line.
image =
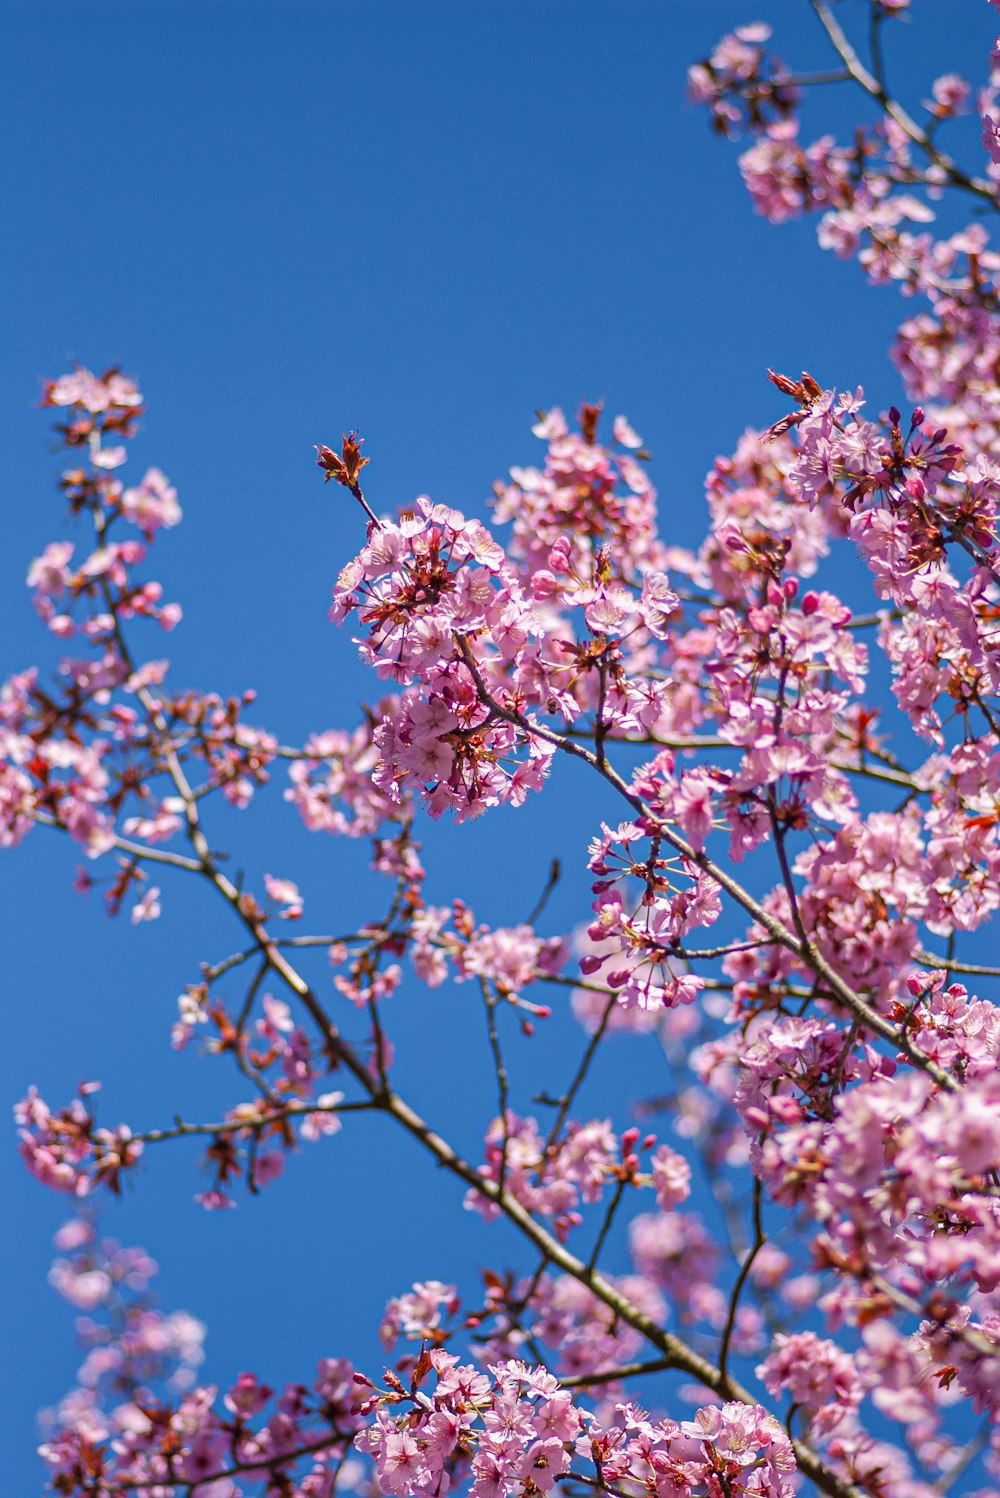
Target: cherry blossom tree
pixel 789 867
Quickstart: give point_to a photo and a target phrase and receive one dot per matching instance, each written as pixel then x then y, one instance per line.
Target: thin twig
pixel 895 111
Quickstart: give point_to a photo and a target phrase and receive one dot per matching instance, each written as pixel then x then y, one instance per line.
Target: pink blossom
pixel 671 1177
pixel 284 892
pixel 148 907
pixel 991 137
pixel 152 505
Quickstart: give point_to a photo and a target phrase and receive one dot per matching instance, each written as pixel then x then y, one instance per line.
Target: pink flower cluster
pixel 509 1430
pixel 89 754
pixel 553 1180
pixel 137 1420
pixel 132 1349
pixel 730 1448
pixel 66 1150
pixel 508 959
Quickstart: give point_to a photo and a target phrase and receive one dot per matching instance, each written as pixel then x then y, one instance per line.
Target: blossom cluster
pixel 137 1420
pixel 512 1429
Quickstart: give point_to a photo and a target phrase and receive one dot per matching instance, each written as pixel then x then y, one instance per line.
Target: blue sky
pixel 422 219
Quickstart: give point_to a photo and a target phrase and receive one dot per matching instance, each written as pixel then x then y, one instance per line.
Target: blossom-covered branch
pixel 803 864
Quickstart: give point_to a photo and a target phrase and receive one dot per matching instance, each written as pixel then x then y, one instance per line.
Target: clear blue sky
pixel 422 219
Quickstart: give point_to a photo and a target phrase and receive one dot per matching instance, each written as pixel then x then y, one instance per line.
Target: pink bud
pixel 543 584
pixel 787 1109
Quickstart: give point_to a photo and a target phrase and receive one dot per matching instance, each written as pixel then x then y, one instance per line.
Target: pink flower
pixel 285 893
pixel 152 505
pixel 148 907
pixel 671 1177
